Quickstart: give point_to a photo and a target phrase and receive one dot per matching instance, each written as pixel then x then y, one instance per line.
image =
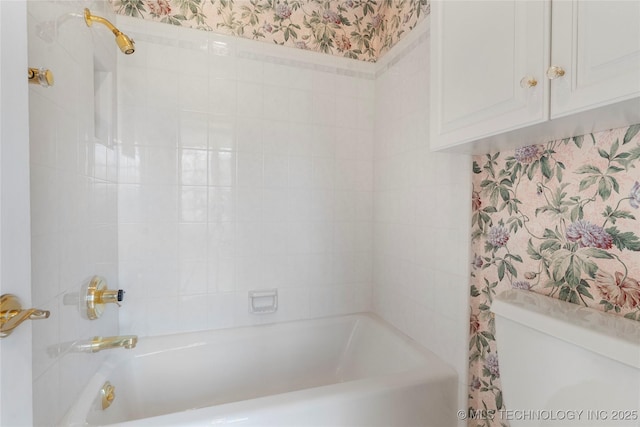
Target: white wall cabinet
pixel 492 70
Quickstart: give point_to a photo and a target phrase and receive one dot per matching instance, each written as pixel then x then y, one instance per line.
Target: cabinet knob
pixel 554 72
pixel 528 82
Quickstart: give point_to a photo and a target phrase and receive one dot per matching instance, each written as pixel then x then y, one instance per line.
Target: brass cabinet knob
pixel 554 72
pixel 528 82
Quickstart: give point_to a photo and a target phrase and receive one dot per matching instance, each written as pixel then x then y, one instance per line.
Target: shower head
pixel 123 41
pixel 125 44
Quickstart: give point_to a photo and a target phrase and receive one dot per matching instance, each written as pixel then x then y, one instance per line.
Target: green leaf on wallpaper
pixel 577 213
pixel 578 140
pixel 604 188
pixel 546 168
pixel 499 400
pixel 596 253
pixel 514 257
pixel 583 289
pixel 617 214
pixel 631 132
pixel 559 168
pixel 532 169
pixel 476 167
pixel 564 293
pixel 511 269
pixel 501 270
pixel 624 240
pixel 488 335
pixel 603 154
pixel 533 253
pixel 474 291
pixel 588 169
pixel 632 316
pixel 614 169
pixel 588 182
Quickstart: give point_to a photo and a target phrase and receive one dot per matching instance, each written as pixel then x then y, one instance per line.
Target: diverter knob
pixel 98 295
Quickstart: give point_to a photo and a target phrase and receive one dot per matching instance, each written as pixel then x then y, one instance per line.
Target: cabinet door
pixel 481 52
pixel 597 44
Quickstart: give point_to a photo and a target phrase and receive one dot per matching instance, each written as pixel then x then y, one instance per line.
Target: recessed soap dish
pixel 263 301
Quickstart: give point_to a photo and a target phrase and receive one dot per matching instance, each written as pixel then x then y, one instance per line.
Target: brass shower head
pixel 123 41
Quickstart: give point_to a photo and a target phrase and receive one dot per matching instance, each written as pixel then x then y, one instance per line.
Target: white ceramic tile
pixel 276 103
pixel 300 172
pixel 222 133
pixel 249 70
pixel 250 99
pixel 275 137
pixel 223 96
pixel 162 88
pixel 250 169
pixel 249 204
pixel 301 106
pixel 221 204
pixel 193 204
pixel 276 170
pixel 192 166
pixel 192 241
pixel 250 135
pixel 193 130
pixel 222 168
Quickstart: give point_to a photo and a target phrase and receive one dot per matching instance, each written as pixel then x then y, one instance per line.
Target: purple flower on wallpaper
pixel 283 11
pixel 267 28
pixel 349 3
pixel 301 45
pixel 477 261
pixel 498 236
pixel 377 21
pixel 527 154
pixel 330 16
pixel 475 383
pixel 635 195
pixel 521 284
pixel 589 235
pixel 492 364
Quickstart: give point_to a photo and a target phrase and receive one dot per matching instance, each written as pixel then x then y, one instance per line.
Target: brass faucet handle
pixel 12 315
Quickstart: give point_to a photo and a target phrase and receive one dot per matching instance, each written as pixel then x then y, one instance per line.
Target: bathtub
pixel 353 370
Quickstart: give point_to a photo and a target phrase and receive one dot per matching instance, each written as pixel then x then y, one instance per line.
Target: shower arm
pixel 90 19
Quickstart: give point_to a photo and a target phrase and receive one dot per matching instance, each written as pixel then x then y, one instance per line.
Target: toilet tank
pixel 565 365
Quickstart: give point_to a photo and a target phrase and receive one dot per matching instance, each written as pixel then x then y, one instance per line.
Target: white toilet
pixel 566 365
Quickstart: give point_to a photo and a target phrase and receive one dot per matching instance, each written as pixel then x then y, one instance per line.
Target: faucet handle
pixel 12 314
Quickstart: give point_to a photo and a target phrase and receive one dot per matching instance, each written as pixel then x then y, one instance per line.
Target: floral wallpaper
pixel 358 29
pixel 561 219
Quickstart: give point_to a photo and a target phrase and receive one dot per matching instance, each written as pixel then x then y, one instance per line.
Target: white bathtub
pixel 340 371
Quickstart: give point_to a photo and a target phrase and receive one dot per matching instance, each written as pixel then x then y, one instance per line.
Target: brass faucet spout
pixel 105 343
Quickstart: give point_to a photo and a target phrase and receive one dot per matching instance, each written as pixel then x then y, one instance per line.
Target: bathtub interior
pixel 180 372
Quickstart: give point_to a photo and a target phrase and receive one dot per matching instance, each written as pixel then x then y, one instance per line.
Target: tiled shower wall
pixel 421 215
pixel 241 166
pixel 73 197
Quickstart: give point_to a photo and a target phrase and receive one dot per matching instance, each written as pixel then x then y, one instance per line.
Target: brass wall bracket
pixel 12 314
pixel 40 76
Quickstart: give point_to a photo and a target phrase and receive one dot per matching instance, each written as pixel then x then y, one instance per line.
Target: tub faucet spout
pixel 106 343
